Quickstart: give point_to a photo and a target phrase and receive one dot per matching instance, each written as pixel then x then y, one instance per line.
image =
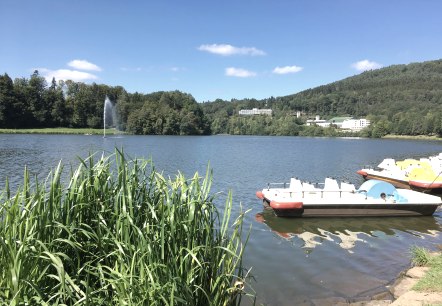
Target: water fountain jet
pixel 108 113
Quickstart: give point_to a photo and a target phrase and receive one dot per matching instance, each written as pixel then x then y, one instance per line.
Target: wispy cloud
pixel 226 50
pixel 83 65
pixel 287 69
pixel 67 74
pixel 366 65
pixel 126 69
pixel 177 69
pixel 239 72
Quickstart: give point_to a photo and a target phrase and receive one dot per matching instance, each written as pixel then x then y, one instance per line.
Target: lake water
pixel 293 261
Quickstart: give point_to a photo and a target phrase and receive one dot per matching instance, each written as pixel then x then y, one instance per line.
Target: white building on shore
pixel 355 124
pixel 318 122
pixel 344 123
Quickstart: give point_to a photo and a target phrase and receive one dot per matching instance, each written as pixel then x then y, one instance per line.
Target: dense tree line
pixel 400 99
pixel 32 103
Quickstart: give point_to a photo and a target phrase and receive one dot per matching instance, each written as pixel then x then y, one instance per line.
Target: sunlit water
pixel 293 261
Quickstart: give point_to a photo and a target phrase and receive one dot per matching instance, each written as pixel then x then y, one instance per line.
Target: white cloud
pixel 66 74
pixel 83 65
pixel 126 69
pixel 239 72
pixel 226 50
pixel 366 65
pixel 287 69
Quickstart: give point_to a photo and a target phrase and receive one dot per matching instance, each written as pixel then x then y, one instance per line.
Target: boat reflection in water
pixel 346 232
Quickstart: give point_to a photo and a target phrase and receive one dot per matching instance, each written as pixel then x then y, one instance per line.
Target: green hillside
pixel 400 99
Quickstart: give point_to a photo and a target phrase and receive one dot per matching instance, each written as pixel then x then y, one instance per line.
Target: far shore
pixel 62 131
pixel 89 131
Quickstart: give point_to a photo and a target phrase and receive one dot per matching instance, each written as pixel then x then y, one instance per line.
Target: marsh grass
pixel 419 256
pixel 119 233
pixel 431 281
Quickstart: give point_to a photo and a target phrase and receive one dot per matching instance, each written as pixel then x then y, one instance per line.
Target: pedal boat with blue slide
pixel 372 198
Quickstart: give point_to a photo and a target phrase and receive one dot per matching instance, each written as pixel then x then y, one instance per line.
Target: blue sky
pixel 215 49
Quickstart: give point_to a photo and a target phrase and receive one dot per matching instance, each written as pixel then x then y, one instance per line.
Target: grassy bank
pixel 418 137
pixel 432 279
pixel 118 233
pixel 60 131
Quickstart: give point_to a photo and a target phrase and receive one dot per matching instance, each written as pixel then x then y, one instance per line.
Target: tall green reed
pixel 119 233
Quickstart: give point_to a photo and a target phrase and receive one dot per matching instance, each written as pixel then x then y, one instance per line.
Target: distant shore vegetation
pixel 401 100
pixel 61 131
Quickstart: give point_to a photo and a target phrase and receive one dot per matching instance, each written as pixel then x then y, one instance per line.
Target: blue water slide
pixel 374 189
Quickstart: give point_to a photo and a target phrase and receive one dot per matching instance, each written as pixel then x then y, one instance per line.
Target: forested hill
pixel 386 91
pixel 400 99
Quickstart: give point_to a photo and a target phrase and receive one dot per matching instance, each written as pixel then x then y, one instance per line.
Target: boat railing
pixel 363 192
pixel 269 185
pixel 287 185
pixel 322 192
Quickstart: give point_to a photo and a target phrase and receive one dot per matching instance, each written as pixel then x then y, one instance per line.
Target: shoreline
pixel 401 292
pixel 398 292
pixel 61 131
pixel 412 137
pixel 90 131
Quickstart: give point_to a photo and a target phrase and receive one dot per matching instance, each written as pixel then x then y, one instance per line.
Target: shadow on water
pixel 349 230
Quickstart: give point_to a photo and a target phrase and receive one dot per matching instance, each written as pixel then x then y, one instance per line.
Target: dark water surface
pixel 293 261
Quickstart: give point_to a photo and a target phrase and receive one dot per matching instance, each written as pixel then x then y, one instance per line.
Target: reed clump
pixel 118 233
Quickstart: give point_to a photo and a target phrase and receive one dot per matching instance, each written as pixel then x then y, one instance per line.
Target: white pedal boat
pixel 372 198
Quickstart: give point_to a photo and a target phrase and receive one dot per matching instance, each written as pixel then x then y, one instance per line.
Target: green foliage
pixel 419 256
pixel 168 113
pixel 430 282
pixel 118 233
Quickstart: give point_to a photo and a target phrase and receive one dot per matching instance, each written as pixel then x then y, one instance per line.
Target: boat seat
pixel 295 184
pixel 331 184
pixel 331 187
pixel 388 163
pixel 345 186
pixel 306 186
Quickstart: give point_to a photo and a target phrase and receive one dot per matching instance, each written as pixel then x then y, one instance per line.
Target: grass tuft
pixel 419 256
pixel 119 233
pixel 430 282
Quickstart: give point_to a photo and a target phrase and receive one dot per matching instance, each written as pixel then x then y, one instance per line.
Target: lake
pixel 293 261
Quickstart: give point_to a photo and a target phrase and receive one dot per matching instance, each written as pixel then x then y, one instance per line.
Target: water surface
pixel 293 261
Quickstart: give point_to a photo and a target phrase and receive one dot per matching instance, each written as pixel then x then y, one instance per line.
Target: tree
pixel 35 95
pixel 21 116
pixel 56 103
pixel 7 101
pixel 380 129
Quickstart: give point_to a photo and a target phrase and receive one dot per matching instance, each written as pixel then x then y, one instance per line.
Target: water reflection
pixel 310 233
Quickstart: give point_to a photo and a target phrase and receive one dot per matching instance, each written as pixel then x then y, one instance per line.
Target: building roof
pixel 339 119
